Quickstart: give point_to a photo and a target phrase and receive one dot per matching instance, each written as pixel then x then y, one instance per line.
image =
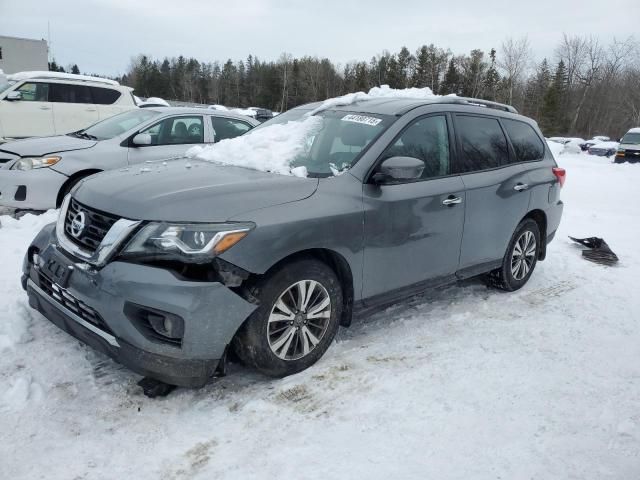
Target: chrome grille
pixel 97 224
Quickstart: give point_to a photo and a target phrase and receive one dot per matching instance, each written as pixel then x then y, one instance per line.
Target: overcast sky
pixel 101 36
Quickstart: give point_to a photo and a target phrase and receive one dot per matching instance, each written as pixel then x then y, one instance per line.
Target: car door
pixel 496 191
pixel 32 115
pixel 413 230
pixel 73 107
pixel 171 137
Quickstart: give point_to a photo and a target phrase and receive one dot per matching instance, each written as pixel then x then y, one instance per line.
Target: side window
pixel 483 143
pixel 525 141
pixel 67 93
pixel 104 96
pixel 228 128
pixel 34 92
pixel 426 139
pixel 177 131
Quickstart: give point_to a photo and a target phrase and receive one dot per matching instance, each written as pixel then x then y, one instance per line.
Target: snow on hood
pixel 268 149
pixel 384 91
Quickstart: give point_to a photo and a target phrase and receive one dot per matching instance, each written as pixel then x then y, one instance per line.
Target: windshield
pixel 631 138
pixel 337 145
pixel 5 84
pixel 118 124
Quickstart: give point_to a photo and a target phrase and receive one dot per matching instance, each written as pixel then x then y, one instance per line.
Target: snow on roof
pixel 383 91
pixel 634 130
pixel 60 76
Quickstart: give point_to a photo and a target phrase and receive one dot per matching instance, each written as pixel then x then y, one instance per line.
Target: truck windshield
pixel 118 124
pixel 631 138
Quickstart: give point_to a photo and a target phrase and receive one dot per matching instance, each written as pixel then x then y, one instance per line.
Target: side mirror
pixel 13 96
pixel 141 139
pixel 397 169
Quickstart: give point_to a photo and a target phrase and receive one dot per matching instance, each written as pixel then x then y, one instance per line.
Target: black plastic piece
pixel 21 194
pixel 153 388
pixel 599 251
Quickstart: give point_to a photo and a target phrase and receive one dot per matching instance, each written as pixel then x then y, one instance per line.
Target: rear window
pixel 64 93
pixel 104 96
pixel 525 141
pixel 483 143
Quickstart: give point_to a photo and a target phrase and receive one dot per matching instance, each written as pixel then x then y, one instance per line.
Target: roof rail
pixel 478 103
pixel 43 75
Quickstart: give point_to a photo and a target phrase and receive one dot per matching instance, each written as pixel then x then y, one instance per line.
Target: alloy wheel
pixel 299 319
pixel 523 255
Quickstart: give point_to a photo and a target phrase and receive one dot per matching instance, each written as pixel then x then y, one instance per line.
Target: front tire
pixel 298 317
pixel 520 258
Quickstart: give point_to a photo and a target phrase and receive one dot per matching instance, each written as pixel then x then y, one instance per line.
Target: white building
pixel 23 54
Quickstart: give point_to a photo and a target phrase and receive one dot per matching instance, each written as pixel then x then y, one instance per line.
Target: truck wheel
pixel 298 317
pixel 520 258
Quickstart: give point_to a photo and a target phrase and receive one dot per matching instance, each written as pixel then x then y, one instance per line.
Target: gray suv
pixel 169 276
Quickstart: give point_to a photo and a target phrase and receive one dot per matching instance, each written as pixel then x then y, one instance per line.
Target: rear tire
pixel 296 321
pixel 520 258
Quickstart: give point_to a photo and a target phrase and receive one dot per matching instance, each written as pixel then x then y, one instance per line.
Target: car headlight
pixel 31 163
pixel 193 241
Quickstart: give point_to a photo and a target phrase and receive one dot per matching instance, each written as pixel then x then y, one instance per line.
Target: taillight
pixel 561 174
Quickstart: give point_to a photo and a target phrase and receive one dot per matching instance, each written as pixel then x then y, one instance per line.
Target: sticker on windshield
pixel 372 121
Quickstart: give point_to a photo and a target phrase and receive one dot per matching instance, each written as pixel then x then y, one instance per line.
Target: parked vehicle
pixel 37 173
pixel 589 143
pixel 37 104
pixel 604 149
pixel 167 272
pixel 629 148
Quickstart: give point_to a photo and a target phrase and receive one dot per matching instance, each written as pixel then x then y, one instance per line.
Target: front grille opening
pixel 156 325
pixel 96 225
pixel 64 298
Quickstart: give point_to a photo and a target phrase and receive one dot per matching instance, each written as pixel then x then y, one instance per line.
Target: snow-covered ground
pixel 465 382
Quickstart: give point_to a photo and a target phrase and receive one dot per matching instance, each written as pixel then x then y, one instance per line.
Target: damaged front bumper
pixel 113 309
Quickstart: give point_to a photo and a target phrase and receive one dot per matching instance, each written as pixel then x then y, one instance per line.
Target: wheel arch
pixel 73 179
pixel 340 267
pixel 540 218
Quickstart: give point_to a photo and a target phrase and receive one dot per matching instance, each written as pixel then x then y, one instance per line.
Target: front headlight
pixel 31 163
pixel 194 241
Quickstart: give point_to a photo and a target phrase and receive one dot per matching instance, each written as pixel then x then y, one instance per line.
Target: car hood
pixel 630 146
pixel 189 191
pixel 36 147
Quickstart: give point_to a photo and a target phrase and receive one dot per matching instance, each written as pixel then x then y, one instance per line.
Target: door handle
pixel 91 110
pixel 451 200
pixel 45 108
pixel 520 187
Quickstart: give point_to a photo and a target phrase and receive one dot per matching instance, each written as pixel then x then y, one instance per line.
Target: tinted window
pixel 177 130
pixel 104 96
pixel 427 140
pixel 526 143
pixel 228 128
pixel 483 143
pixel 61 93
pixel 34 92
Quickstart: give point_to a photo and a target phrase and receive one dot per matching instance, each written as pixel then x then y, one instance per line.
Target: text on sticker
pixel 362 119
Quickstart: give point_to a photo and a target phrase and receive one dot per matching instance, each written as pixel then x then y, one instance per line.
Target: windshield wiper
pixel 83 134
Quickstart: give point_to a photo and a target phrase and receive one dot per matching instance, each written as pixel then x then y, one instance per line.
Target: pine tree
pixel 451 82
pixel 553 118
pixel 491 79
pixel 75 70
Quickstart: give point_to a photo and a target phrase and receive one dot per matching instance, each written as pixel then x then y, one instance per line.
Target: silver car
pixel 37 173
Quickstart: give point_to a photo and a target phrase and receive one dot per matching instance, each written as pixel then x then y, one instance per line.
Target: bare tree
pixel 515 57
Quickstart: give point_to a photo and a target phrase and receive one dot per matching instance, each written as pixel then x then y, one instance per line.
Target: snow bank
pixel 556 148
pixel 269 149
pixel 383 91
